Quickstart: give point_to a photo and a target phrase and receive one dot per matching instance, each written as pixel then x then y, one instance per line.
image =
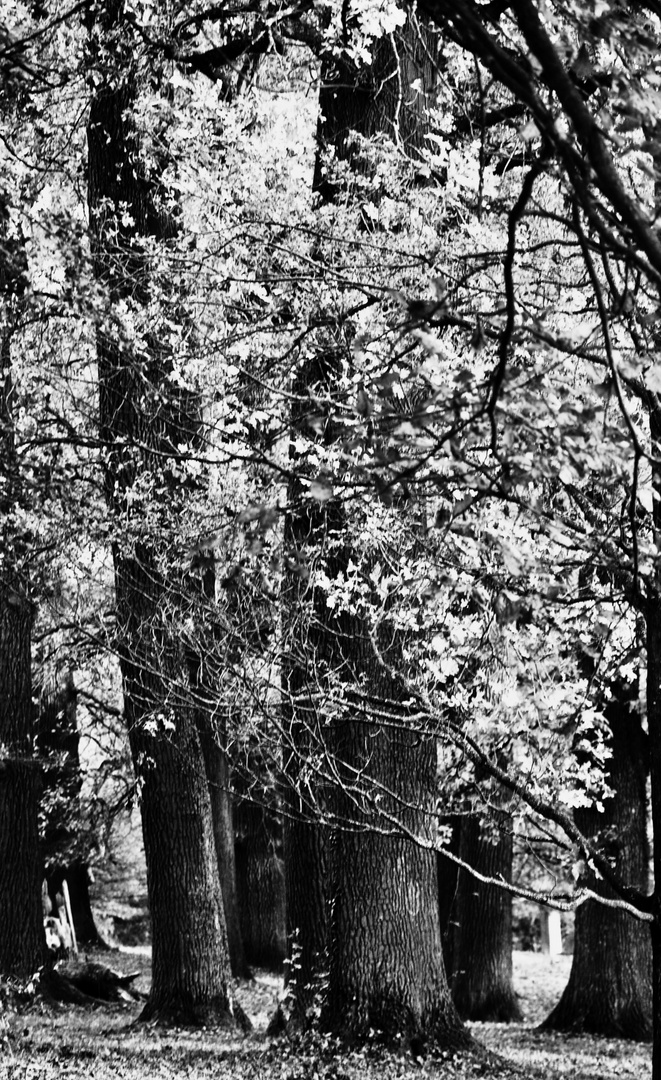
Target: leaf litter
pixel 67 1042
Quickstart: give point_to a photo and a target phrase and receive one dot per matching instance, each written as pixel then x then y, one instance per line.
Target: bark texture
pixel 261 884
pixel 142 424
pixel 610 985
pixel 362 898
pixel 386 962
pixel 218 778
pixel 375 99
pixel 448 879
pixel 22 940
pixel 481 928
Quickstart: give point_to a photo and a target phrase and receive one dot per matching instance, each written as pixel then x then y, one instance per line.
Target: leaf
pixel 321 490
pixel 653 379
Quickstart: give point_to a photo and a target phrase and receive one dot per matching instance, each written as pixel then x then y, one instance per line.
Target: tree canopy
pixel 324 383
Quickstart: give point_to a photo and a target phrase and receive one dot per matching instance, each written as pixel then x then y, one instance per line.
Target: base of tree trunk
pixel 208 1015
pixel 419 1044
pixel 609 991
pixel 400 1030
pixel 478 922
pixel 630 1020
pixel 495 1008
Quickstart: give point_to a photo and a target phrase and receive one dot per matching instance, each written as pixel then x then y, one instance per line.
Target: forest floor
pixel 69 1042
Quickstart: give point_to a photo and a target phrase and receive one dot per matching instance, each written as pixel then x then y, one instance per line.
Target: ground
pixel 73 1043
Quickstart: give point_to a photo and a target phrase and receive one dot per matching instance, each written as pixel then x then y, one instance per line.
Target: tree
pixel 141 425
pixel 212 732
pixel 609 228
pixel 372 887
pixel 22 942
pixel 481 924
pixel 476 913
pixel 610 984
pixel 260 875
pixel 478 395
pixel 218 779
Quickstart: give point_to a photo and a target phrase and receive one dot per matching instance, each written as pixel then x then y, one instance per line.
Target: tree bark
pixel 375 99
pixel 386 971
pixel 305 839
pixel 142 424
pixel 260 884
pixel 653 626
pixel 22 940
pixel 364 903
pixel 610 985
pixel 212 731
pixel 218 778
pixel 481 974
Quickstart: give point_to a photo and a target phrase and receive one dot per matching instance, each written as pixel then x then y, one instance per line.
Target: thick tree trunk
pixel 22 940
pixel 375 99
pixel 260 884
pixel 143 424
pixel 481 975
pixel 386 971
pixel 190 959
pixel 364 905
pixel 610 985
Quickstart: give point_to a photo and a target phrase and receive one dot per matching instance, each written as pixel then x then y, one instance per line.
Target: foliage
pixel 490 305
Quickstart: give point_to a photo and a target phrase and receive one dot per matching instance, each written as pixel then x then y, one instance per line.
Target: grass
pixel 72 1043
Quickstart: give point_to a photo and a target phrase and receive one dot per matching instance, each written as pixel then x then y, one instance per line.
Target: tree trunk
pixel 654 728
pixel 218 778
pixel 305 839
pixel 370 930
pixel 481 975
pixel 213 738
pixel 65 849
pixel 142 423
pixel 190 959
pixel 610 985
pixel 375 99
pixel 386 971
pixel 22 940
pixel 448 879
pixel 260 884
